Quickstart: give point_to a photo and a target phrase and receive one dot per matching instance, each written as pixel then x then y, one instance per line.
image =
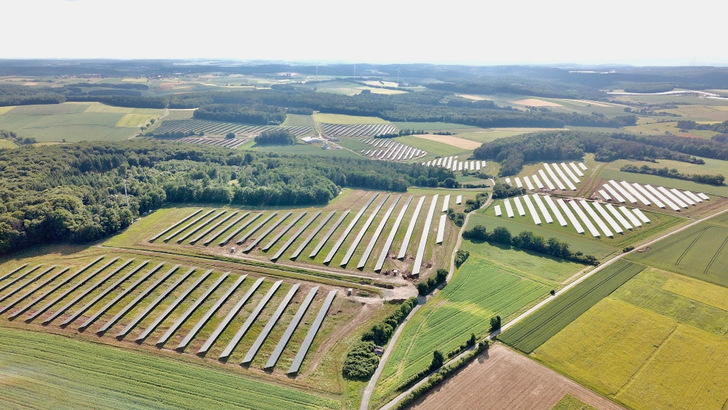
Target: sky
pixel 484 32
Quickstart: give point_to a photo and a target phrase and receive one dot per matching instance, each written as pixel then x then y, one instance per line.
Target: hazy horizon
pixel 323 31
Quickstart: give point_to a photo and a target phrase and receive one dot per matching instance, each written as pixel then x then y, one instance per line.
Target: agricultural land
pixel 189 235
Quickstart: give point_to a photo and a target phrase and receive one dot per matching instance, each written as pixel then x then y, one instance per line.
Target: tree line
pixel 529 241
pixel 674 173
pixel 513 152
pixel 245 114
pixel 75 193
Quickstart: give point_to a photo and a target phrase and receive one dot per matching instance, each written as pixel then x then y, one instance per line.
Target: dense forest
pixel 513 152
pixel 246 114
pixel 280 136
pixel 76 192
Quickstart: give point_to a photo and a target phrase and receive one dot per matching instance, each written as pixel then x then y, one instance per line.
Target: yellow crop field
pixel 3 110
pixel 713 295
pixel 134 120
pixel 95 107
pixel 690 370
pixel 606 346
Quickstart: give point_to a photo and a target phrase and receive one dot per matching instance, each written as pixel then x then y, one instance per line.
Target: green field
pixel 7 144
pixel 569 402
pixel 539 327
pixel 347 119
pixel 51 371
pixel 298 120
pixel 659 341
pixel 540 268
pixel 700 251
pixel 480 290
pixel 76 121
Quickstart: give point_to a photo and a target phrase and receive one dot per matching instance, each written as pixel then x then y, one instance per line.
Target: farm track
pixel 715 255
pixel 687 248
pixel 369 389
pixel 538 306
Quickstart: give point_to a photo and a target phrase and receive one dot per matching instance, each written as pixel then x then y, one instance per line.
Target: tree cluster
pixel 674 173
pixel 276 136
pixel 721 127
pixel 361 362
pixel 15 138
pixel 529 241
pixel 458 218
pixel 473 204
pixel 460 257
pixel 425 287
pixel 501 190
pixel 246 114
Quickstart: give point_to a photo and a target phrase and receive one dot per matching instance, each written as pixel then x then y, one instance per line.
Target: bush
pixel 437 360
pixel 495 323
pixel 460 257
pixel 361 361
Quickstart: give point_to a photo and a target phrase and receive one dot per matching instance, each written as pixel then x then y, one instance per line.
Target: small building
pixel 378 350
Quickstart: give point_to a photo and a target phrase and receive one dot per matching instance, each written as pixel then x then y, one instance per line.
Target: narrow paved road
pixel 546 301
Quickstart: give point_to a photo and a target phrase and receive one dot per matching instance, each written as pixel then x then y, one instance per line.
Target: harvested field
pixel 535 102
pixel 507 380
pixel 451 140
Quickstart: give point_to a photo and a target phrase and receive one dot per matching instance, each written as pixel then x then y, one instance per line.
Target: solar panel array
pixel 454 164
pixel 164 301
pixel 600 220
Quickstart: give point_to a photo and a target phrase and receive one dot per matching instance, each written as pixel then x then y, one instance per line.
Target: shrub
pixel 361 361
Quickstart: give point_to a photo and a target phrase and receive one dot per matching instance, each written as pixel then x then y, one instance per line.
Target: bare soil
pixel 451 140
pixel 534 102
pixel 505 379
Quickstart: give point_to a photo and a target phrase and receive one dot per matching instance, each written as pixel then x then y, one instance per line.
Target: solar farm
pixel 368 232
pixel 454 164
pixel 389 150
pixel 221 128
pixel 174 307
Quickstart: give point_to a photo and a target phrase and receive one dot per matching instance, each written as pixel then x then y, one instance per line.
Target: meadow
pixel 74 122
pixel 46 370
